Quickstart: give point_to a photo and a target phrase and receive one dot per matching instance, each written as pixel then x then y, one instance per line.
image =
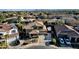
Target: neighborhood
pixel 39 29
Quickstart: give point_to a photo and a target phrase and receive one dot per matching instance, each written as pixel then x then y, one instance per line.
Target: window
pixel 49 28
pixel 40 28
pixel 0 26
pixel 73 40
pixel 1 34
pixel 77 40
pixel 0 37
pixel 13 31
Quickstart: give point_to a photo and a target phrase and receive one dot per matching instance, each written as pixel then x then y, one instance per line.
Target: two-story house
pixel 8 33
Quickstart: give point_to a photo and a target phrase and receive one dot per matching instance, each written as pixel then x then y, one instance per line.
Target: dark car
pixel 64 40
pixel 61 41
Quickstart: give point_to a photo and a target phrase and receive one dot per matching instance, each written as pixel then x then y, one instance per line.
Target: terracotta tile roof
pixel 34 32
pixel 30 16
pixel 38 23
pixel 5 27
pixel 28 26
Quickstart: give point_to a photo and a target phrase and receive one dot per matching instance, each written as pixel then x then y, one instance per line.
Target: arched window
pixel 13 31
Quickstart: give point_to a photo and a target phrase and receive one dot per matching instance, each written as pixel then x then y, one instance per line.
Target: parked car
pixel 68 43
pixel 61 41
pixel 64 39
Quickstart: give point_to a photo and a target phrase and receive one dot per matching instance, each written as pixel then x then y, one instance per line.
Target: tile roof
pixel 62 29
pixel 28 26
pixel 38 23
pixel 5 27
pixel 34 32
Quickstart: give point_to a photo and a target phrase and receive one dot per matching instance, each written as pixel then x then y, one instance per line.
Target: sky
pixel 39 4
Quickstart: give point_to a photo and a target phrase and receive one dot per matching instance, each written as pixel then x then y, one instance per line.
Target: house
pixel 41 27
pixel 11 20
pixel 28 27
pixel 27 20
pixel 69 20
pixel 38 24
pixel 52 21
pixel 34 27
pixel 76 27
pixel 34 33
pixel 8 32
pixel 67 32
pixel 48 37
pixel 29 16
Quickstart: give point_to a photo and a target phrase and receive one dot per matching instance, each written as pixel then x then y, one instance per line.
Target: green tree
pixel 1 18
pixel 6 38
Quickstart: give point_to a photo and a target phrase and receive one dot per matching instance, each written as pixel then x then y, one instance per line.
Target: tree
pixel 60 21
pixel 6 38
pixel 2 18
